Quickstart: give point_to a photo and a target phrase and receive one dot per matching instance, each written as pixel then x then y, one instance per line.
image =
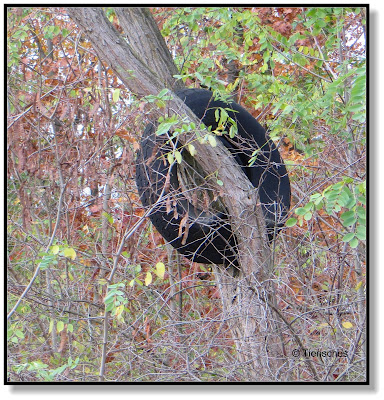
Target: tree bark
pixel 145 66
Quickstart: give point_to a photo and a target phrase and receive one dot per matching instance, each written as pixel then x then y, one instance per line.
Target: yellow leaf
pixel 148 279
pixel 212 140
pixel 51 326
pixel 160 270
pixel 64 275
pixel 217 62
pixel 116 95
pixel 119 310
pixel 358 286
pixel 191 149
pixel 70 253
pixel 178 156
pixel 55 249
pixel 170 158
pixel 347 325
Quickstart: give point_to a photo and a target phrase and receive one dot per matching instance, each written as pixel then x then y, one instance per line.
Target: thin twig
pixel 127 235
pixel 36 273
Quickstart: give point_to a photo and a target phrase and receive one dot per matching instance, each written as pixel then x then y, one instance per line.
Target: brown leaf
pixel 185 235
pixel 168 205
pixel 175 214
pixel 167 182
pixel 183 223
pixel 63 342
pixel 194 198
pixel 206 199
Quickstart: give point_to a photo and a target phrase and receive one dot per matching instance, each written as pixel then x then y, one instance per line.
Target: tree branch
pixel 139 24
pixel 145 66
pixel 145 69
pixel 114 50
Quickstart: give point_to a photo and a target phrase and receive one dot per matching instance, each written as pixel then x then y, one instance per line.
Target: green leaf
pixel 316 198
pixel 223 116
pixel 308 216
pixel 356 107
pixel 288 109
pixel 362 199
pixel 291 222
pixel 308 206
pixel 47 260
pixel 19 334
pixel 300 211
pixel 108 216
pixel 349 222
pixel 163 93
pixel 299 59
pixel 233 131
pixel 348 237
pixel 60 326
pixel 347 215
pixel 166 125
pixel 361 213
pixel 361 232
pixel 359 86
pixel 163 128
pixel 217 114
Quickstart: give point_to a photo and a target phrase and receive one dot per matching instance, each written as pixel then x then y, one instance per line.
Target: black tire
pixel 210 238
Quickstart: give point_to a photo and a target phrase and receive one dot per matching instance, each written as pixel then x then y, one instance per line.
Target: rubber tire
pixel 210 238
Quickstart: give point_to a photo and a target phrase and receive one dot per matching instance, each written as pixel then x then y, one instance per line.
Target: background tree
pixel 73 209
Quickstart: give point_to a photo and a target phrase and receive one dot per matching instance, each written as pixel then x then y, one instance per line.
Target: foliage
pixel 73 129
pixel 335 198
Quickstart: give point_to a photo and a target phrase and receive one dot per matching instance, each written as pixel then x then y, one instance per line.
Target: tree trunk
pixel 145 66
